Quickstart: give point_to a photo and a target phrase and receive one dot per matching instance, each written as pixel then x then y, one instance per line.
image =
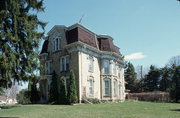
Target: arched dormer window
pixel 56 44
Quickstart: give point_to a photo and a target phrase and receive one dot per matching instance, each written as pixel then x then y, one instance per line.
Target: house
pixel 97 63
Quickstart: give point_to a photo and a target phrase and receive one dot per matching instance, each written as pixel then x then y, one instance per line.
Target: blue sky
pixel 147 31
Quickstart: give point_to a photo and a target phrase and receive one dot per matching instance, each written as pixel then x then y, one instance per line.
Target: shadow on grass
pixel 9 117
pixel 175 110
pixel 7 107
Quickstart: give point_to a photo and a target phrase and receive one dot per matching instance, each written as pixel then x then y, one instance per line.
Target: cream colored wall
pixel 84 75
pixel 122 82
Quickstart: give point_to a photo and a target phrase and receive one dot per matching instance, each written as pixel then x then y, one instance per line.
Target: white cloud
pixel 134 56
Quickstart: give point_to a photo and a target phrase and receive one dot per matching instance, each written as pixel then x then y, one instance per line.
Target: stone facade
pixel 96 61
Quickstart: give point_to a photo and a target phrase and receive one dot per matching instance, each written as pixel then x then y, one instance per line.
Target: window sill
pixel 106 96
pixel 91 71
pixel 56 51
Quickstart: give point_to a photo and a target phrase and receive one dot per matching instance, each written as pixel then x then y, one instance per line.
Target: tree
pixel 131 78
pixel 175 60
pixel 151 81
pixel 12 92
pixel 53 93
pixel 1 91
pixel 23 97
pixel 19 39
pixel 175 90
pixel 63 91
pixel 72 92
pixel 165 82
pixel 32 87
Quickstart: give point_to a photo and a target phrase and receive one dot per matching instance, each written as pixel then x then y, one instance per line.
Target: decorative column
pixel 112 85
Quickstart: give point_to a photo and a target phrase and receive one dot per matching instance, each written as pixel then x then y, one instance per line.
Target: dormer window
pixel 56 44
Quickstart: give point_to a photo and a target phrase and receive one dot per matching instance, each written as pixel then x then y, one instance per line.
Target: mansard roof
pixel 77 32
pixel 45 47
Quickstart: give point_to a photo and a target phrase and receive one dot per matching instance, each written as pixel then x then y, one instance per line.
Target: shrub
pixel 149 96
pixel 24 97
pixel 34 93
pixel 94 100
pixel 72 92
pixel 63 91
pixel 53 93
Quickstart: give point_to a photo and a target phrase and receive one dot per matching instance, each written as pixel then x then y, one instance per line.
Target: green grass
pixel 106 110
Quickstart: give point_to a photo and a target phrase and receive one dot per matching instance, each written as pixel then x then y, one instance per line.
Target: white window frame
pixel 56 44
pixel 91 64
pixel 106 69
pixel 64 60
pixel 107 89
pixel 114 68
pixel 48 65
pixel 91 86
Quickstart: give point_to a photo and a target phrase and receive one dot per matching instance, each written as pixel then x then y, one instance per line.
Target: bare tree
pixel 141 71
pixel 175 60
pixel 12 92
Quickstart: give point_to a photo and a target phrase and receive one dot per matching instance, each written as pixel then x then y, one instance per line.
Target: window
pixel 115 88
pixel 91 86
pixel 114 68
pixel 91 64
pixel 106 66
pixel 48 67
pixel 64 63
pixel 106 87
pixel 56 44
pixel 67 62
pixel 119 73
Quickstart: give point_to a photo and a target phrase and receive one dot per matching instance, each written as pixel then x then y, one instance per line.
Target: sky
pixel 147 31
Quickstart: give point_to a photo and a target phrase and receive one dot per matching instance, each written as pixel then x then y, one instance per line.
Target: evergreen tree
pixel 72 92
pixel 32 88
pixel 131 78
pixel 19 39
pixel 165 82
pixel 63 91
pixel 175 89
pixel 53 93
pixel 151 81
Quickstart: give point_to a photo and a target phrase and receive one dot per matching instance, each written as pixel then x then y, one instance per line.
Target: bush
pixel 24 97
pixel 149 96
pixel 72 92
pixel 94 100
pixel 63 91
pixel 53 92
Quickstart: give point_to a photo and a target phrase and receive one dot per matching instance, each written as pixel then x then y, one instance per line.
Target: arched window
pixel 107 86
pixel 56 44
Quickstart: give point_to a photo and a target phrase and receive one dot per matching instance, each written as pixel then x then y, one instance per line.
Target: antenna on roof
pixel 81 18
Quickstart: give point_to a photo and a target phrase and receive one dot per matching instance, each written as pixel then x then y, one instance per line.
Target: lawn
pixel 105 110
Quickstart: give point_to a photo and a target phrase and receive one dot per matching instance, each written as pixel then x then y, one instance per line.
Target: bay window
pixel 107 84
